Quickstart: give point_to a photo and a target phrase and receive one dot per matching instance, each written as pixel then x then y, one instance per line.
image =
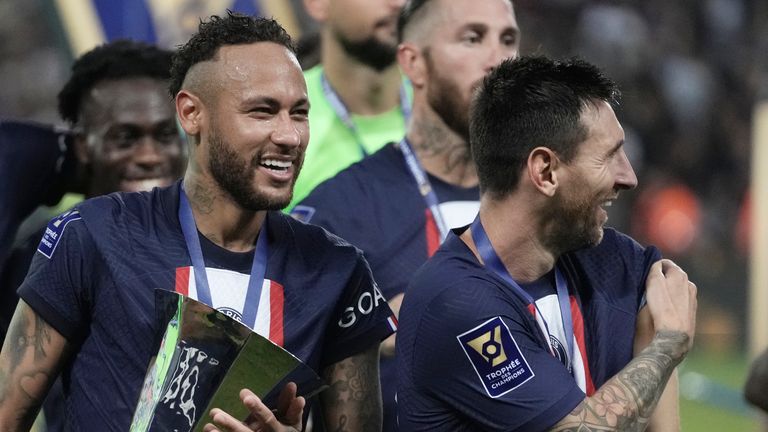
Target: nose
pixel 147 153
pixel 286 131
pixel 625 175
pixel 396 5
pixel 498 53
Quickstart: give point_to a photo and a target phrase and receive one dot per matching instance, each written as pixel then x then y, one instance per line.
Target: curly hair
pixel 234 29
pixel 115 60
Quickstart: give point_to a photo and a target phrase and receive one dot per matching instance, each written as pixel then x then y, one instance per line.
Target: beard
pixel 370 51
pixel 445 98
pixel 235 175
pixel 572 222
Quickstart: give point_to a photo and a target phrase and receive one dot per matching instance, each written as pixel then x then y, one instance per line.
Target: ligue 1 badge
pixel 204 359
pixel 495 356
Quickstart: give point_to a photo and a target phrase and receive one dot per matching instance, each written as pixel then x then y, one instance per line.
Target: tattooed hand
pixel 672 302
pixel 626 401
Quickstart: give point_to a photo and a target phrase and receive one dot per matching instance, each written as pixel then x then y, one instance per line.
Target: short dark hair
pixel 233 29
pixel 111 61
pixel 407 13
pixel 531 102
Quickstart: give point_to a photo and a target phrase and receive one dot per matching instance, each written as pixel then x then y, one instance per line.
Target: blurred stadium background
pixel 694 74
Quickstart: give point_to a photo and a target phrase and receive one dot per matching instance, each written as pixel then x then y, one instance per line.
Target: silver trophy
pixel 204 359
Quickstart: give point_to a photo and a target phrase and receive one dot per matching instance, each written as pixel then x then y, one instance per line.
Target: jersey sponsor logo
pixel 495 357
pixel 228 291
pixel 560 352
pixel 303 213
pixel 54 231
pixel 232 313
pixel 366 303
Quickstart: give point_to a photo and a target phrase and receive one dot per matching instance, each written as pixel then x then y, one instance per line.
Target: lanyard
pixel 258 268
pixel 344 115
pixel 425 188
pixel 492 261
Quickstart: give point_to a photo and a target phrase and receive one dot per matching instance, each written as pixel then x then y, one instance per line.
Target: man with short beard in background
pixel 360 101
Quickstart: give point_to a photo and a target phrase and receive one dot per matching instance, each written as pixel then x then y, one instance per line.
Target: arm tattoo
pixel 353 400
pixel 626 402
pixel 26 367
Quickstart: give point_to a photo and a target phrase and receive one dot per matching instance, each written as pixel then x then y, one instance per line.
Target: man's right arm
pixel 626 401
pixel 31 358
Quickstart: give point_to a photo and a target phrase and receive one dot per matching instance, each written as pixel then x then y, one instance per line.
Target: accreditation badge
pixel 495 356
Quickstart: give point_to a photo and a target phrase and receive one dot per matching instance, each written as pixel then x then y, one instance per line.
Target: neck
pixel 442 152
pixel 364 90
pixel 218 217
pixel 512 230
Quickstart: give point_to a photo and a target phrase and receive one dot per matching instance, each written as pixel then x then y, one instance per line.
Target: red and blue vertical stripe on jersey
pixel 578 334
pixel 432 233
pixel 269 317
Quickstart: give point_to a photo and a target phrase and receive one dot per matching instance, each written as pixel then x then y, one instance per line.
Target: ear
pixel 412 63
pixel 543 171
pixel 317 9
pixel 189 109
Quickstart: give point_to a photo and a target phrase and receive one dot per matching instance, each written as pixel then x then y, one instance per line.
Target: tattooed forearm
pixel 626 402
pixel 42 337
pixel 353 400
pixel 28 364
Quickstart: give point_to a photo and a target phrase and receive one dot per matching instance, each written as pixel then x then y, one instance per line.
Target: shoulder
pixel 452 280
pixel 119 205
pixel 361 192
pixel 618 247
pixel 309 239
pixel 361 177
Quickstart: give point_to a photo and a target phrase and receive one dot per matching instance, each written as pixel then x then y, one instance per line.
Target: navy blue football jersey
pixel 470 353
pixel 376 205
pixel 94 276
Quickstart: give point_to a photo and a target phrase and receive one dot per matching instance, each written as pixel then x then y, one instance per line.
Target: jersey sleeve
pixel 58 285
pixel 361 319
pixel 488 365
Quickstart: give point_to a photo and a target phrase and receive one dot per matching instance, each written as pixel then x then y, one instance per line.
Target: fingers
pixel 286 396
pixel 288 416
pixel 224 422
pixel 295 412
pixel 261 417
pixel 671 298
pixel 260 413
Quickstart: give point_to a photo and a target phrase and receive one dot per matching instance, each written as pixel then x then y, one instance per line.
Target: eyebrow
pixel 272 102
pixel 615 148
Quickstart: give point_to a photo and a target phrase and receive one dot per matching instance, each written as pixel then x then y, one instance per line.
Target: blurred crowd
pixel 691 72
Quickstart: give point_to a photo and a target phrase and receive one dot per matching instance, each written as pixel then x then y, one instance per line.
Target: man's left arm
pixel 666 416
pixel 353 401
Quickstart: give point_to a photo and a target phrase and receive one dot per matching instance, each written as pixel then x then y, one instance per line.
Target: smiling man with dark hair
pixel 217 236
